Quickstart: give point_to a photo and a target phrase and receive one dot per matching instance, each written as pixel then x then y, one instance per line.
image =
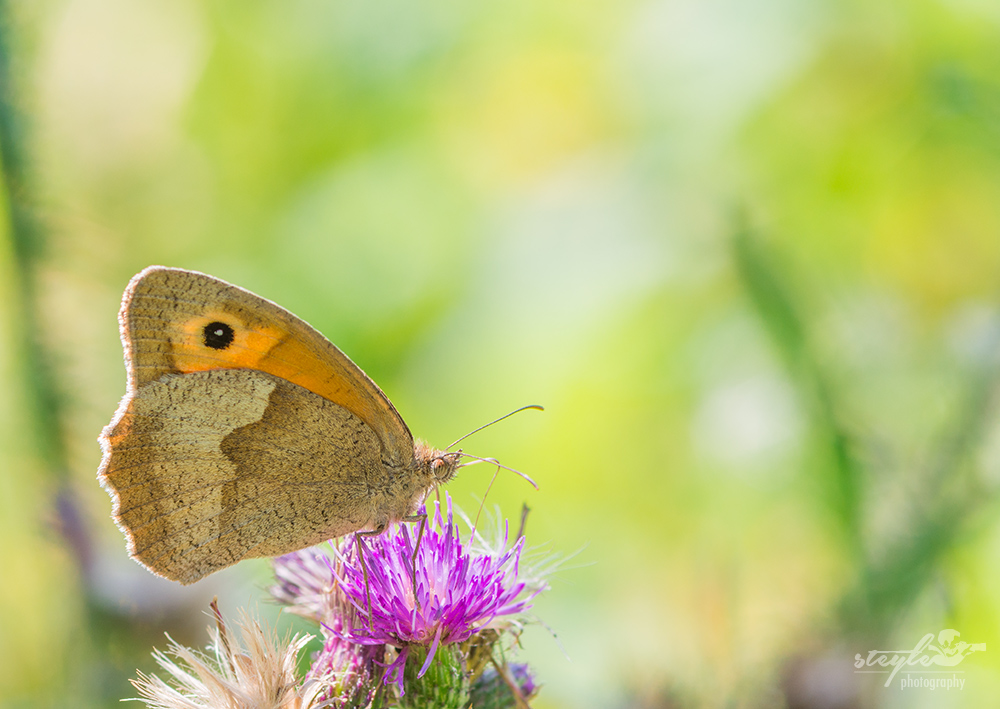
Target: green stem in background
pixel 891 578
pixel 70 661
pixel 778 308
pixel 27 246
pixel 953 497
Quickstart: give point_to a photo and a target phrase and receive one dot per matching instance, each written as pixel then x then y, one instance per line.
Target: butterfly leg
pixel 422 518
pixel 364 571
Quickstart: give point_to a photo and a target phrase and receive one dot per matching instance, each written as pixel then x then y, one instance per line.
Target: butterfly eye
pixel 218 335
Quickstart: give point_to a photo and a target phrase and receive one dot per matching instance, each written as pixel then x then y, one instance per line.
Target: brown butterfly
pixel 245 433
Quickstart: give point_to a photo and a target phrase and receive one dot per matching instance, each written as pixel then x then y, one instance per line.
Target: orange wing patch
pixel 218 340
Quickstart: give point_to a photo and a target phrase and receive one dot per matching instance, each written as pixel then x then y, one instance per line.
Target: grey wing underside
pixel 209 468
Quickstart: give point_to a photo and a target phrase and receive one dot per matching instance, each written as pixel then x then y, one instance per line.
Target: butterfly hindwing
pixel 211 467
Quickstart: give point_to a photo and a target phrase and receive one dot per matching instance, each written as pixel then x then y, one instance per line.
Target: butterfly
pixel 244 432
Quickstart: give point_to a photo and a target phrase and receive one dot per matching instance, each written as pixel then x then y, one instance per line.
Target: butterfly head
pixel 444 465
pixel 438 465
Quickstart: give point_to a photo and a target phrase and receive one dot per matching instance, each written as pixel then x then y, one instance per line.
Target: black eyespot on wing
pixel 218 335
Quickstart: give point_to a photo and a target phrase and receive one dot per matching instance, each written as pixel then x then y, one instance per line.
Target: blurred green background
pixel 745 253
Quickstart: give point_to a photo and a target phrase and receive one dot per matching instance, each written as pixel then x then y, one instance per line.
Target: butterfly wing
pixel 165 319
pixel 213 467
pixel 243 432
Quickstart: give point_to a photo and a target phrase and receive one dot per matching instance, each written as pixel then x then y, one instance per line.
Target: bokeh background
pixel 746 253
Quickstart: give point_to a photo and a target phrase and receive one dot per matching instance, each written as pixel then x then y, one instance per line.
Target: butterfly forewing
pixel 176 321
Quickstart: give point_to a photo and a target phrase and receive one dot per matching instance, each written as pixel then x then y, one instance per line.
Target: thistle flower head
pixel 436 593
pixel 305 583
pixel 255 671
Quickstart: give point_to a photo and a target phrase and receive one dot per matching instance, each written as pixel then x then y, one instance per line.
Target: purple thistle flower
pixel 524 679
pixel 307 585
pixel 495 688
pixel 348 671
pixel 459 592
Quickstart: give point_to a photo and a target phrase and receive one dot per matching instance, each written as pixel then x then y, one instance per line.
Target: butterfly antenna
pixel 494 461
pixel 515 411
